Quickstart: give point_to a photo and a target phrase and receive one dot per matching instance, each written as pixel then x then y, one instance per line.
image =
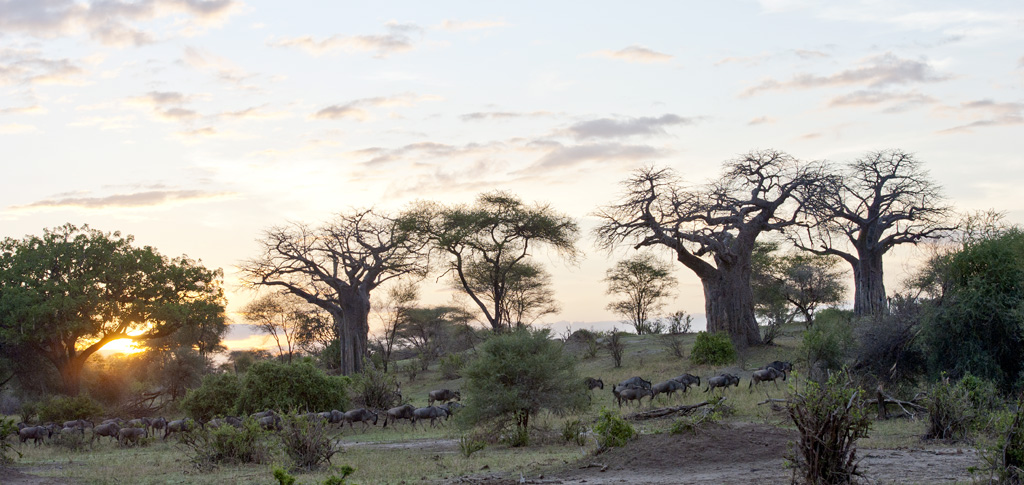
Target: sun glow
pixel 121 346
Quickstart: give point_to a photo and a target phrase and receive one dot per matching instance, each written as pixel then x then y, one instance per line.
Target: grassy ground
pixel 401 453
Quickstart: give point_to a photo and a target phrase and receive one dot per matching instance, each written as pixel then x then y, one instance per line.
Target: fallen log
pixel 680 410
pixel 882 400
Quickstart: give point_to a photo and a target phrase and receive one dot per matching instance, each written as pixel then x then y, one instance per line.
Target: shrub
pixel 713 349
pixel 65 408
pixel 307 442
pixel 7 427
pixel 451 365
pixel 951 412
pixel 574 430
pixel 469 445
pixel 411 370
pixel 612 430
pixel 29 411
pixel 615 346
pixel 72 440
pixel 375 388
pixel 217 396
pixel 829 418
pixel 300 386
pixel 828 341
pixel 208 447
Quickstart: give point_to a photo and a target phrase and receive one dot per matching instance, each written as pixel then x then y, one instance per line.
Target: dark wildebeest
pixel 158 424
pixel 362 415
pixel 668 387
pixel 781 365
pixel 233 421
pixel 130 435
pixel 631 383
pixel 443 396
pixel 688 380
pixel 723 381
pixel 400 412
pixel 144 423
pixel 429 412
pixel 78 423
pixel 593 383
pixel 37 434
pixel 452 408
pixel 634 393
pixel 271 422
pixel 766 374
pixel 106 429
pixel 179 426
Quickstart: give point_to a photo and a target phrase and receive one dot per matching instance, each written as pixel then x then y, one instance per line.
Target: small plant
pixel 674 343
pixel 451 365
pixel 713 349
pixel 612 430
pixel 951 412
pixel 469 445
pixel 29 410
pixel 7 427
pixel 574 430
pixel 283 477
pixel 411 371
pixel 516 436
pixel 336 480
pixel 830 418
pixel 615 346
pixel 307 442
pixel 679 322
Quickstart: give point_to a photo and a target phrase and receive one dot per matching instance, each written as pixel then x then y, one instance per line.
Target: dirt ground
pixel 739 454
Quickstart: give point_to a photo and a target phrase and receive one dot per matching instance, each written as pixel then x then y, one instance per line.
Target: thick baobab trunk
pixel 71 376
pixel 729 304
pixel 869 295
pixel 353 330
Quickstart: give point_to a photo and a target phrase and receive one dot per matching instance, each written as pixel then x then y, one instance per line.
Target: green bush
pixel 612 430
pixel 451 365
pixel 713 349
pixel 574 430
pixel 828 341
pixel 299 387
pixel 217 396
pixel 7 427
pixel 307 442
pixel 208 447
pixel 951 411
pixel 66 408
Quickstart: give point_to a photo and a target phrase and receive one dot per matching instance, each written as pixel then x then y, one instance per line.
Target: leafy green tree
pixel 291 387
pixel 71 291
pixel 429 329
pixel 975 323
pixel 488 245
pixel 794 284
pixel 517 375
pixel 645 283
pixel 217 396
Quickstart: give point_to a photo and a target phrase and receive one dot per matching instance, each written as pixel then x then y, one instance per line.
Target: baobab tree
pixel 336 266
pixel 878 202
pixel 712 228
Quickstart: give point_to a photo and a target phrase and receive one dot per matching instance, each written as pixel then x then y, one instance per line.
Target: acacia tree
pixel 645 282
pixel 392 311
pixel 427 329
pixel 488 245
pixel 73 290
pixel 712 229
pixel 279 315
pixel 528 294
pixel 880 201
pixel 800 282
pixel 336 266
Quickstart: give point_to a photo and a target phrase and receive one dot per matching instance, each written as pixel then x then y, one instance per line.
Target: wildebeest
pixel 158 424
pixel 452 407
pixel 592 383
pixel 130 435
pixel 263 414
pixel 781 365
pixel 668 387
pixel 429 412
pixel 179 425
pixel 634 393
pixel 399 412
pixel 271 422
pixel 688 380
pixel 723 381
pixel 78 423
pixel 145 423
pixel 106 429
pixel 443 395
pixel 634 382
pixel 37 434
pixel 362 415
pixel 766 374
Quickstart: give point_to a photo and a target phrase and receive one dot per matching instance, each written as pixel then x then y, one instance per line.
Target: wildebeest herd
pixel 131 432
pixel 636 388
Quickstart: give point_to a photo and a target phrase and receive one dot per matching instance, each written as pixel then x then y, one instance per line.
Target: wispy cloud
pixel 894 102
pixel 570 156
pixel 23 110
pixel 624 127
pixel 761 120
pixel 109 22
pixel 425 151
pixel 878 71
pixel 502 115
pixel 357 109
pixel 137 199
pixel 26 66
pixel 224 69
pixel 399 38
pixel 988 113
pixel 456 25
pixel 633 53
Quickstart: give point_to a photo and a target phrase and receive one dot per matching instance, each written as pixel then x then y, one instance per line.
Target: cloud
pixel 356 109
pixel 502 115
pixel 427 150
pixel 17 129
pixel 397 40
pixel 989 113
pixel 223 68
pixel 108 21
pixel 617 128
pixel 875 72
pixel 137 199
pixel 457 25
pixel 155 99
pixel 761 120
pixel 898 102
pixel 569 156
pixel 633 53
pixel 204 131
pixel 25 66
pixel 23 110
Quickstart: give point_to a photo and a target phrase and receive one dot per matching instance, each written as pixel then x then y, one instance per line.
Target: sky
pixel 195 125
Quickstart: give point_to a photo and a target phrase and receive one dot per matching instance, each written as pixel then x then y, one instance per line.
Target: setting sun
pixel 121 346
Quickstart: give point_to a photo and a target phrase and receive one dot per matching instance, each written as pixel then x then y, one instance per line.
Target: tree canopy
pixel 71 291
pixel 643 282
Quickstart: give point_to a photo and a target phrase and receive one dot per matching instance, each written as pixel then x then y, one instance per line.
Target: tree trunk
pixel 354 330
pixel 71 376
pixel 869 295
pixel 729 305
